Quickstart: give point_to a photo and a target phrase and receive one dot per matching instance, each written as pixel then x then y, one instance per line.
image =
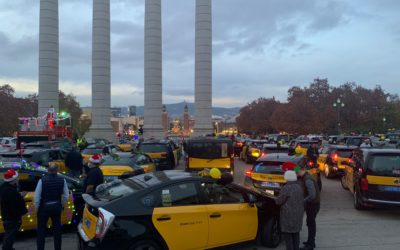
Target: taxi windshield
pixel 114 190
pixel 384 165
pixel 269 167
pixel 153 148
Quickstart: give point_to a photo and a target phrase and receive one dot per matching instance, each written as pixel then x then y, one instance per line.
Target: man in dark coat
pixel 94 177
pixel 13 207
pixel 51 195
pixel 312 206
pixel 292 209
pixel 74 162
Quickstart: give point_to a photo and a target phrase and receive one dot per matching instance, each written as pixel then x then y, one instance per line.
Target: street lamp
pixel 338 104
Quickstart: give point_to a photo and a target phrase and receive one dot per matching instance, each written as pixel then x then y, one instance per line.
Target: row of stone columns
pixel 101 77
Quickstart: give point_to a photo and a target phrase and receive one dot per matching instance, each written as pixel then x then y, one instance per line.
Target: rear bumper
pixel 381 203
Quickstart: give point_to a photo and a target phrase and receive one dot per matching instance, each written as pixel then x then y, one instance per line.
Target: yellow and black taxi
pixel 373 177
pixel 164 155
pixel 28 178
pixel 38 156
pixel 176 210
pixel 209 152
pixel 333 159
pixel 125 146
pixel 267 174
pixel 253 150
pixel 116 165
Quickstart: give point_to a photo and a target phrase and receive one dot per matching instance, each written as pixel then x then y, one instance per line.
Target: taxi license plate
pixel 269 192
pixel 391 188
pixel 270 184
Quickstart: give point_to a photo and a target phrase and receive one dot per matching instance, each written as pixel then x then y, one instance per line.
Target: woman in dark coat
pixel 291 200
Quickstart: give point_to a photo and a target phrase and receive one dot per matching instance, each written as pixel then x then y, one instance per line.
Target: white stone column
pixel 152 70
pixel 203 68
pixel 101 76
pixel 48 56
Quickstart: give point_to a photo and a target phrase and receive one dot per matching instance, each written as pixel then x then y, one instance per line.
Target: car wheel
pixel 271 233
pixel 145 245
pixel 357 202
pixel 327 171
pixel 343 182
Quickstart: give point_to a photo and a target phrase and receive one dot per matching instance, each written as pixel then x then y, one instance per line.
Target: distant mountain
pixel 176 110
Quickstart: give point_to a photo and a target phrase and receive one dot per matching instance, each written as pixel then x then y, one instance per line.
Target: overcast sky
pixel 260 47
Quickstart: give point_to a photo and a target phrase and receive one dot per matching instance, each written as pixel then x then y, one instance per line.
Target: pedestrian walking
pixel 74 163
pixel 291 200
pixel 13 207
pixel 94 177
pixel 311 206
pixel 51 195
pixel 313 154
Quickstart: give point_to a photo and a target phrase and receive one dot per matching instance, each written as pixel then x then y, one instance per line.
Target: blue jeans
pixel 11 228
pixel 45 212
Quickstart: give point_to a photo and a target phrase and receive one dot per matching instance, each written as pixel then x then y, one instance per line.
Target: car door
pixel 227 210
pixel 180 218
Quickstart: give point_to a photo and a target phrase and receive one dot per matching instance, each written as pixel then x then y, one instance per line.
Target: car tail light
pixel 364 184
pixel 310 164
pixel 350 161
pixel 164 155
pixel 249 172
pixel 335 157
pixel 104 221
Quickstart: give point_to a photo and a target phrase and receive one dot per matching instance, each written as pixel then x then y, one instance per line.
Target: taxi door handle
pixel 215 215
pixel 164 218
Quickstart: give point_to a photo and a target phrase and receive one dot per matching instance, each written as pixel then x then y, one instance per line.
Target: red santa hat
pixel 10 175
pixel 288 166
pixel 95 158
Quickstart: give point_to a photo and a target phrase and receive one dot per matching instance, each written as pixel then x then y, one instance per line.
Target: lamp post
pixel 338 104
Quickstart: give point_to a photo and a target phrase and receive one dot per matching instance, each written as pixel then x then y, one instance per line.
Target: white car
pixel 9 143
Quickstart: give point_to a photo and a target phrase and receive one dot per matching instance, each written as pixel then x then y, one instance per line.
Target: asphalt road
pixel 339 225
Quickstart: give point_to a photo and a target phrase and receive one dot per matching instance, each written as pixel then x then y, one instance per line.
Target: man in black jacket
pixel 311 206
pixel 13 207
pixel 74 162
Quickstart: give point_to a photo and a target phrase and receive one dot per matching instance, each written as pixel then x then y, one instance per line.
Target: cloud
pixel 260 48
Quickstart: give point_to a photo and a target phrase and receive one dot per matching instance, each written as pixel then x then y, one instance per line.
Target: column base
pixel 103 133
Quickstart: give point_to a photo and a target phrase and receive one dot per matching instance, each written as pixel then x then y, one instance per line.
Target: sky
pixel 261 48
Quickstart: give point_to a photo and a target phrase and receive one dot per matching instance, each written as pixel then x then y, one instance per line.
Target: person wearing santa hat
pixel 13 207
pixel 95 176
pixel 290 200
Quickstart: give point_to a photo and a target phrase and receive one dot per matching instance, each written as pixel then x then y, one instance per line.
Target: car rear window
pixel 208 150
pixel 304 144
pixel 116 161
pixel 114 190
pixel 268 167
pixel 384 165
pixel 345 153
pixel 153 148
pixel 275 150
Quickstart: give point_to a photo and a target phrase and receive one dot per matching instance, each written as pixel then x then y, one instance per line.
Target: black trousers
pixel 11 229
pixel 292 241
pixel 43 215
pixel 312 210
